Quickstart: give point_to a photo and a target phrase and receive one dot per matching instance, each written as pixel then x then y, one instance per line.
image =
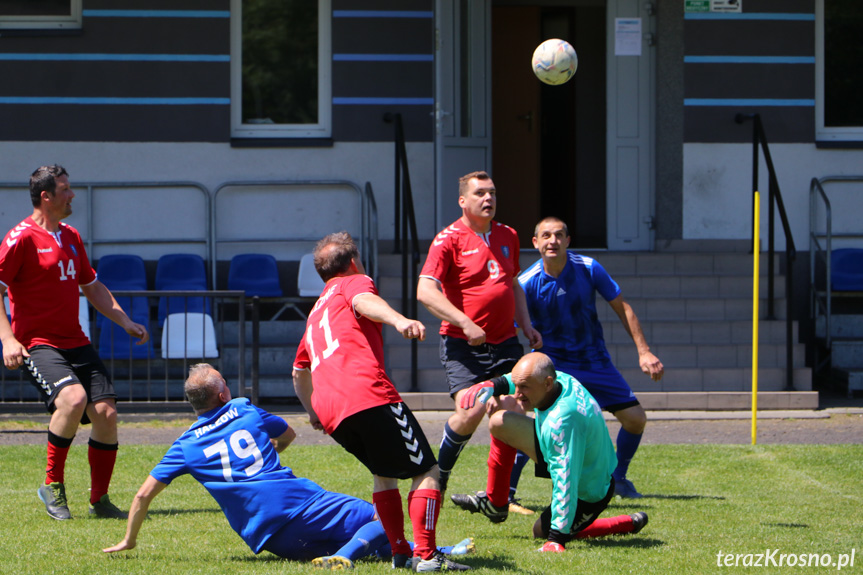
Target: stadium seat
pixel 189 335
pixel 847 269
pixel 181 272
pixel 309 283
pixel 115 343
pixel 124 272
pixel 256 274
pixel 84 316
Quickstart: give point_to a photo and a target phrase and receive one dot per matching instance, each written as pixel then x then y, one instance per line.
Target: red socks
pixel 58 449
pixel 388 505
pixel 424 508
pixel 102 457
pixel 607 526
pixel 501 458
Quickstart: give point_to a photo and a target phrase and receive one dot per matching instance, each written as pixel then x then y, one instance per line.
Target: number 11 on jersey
pixel 332 344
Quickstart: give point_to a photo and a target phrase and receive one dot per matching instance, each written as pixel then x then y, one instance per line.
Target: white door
pixel 463 99
pixel 631 120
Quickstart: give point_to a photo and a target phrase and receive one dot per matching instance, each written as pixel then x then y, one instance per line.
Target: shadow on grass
pixel 181 511
pixel 678 497
pixel 633 542
pixel 787 525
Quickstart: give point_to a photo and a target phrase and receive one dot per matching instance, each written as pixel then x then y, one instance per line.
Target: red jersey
pixel 345 354
pixel 42 272
pixel 476 272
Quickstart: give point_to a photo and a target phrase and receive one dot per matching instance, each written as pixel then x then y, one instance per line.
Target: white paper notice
pixel 627 36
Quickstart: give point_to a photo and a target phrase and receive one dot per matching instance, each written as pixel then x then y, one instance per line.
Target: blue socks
pixel 521 460
pixel 450 448
pixel 627 445
pixel 367 540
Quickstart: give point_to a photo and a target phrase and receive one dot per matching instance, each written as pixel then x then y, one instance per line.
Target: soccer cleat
pixel 463 547
pixel 515 506
pixel 53 495
pixel 639 520
pixel 104 509
pixel 624 488
pixel 437 562
pixel 480 503
pixel 401 560
pixel 333 563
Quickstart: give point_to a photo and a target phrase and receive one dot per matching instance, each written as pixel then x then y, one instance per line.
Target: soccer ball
pixel 554 62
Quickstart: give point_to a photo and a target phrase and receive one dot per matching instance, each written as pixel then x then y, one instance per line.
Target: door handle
pixel 528 118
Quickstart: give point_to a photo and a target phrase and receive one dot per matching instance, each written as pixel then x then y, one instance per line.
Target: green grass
pixel 701 499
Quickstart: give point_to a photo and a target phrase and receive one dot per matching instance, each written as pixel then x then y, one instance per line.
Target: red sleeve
pixel 355 285
pixel 10 260
pixel 302 361
pixel 439 259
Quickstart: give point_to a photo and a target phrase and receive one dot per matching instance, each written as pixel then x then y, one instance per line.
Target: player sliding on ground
pixel 232 450
pixel 569 442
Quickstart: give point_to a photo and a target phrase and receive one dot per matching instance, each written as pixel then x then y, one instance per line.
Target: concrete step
pixel 841 326
pixel 640 264
pixel 693 286
pixel 687 379
pixel 847 354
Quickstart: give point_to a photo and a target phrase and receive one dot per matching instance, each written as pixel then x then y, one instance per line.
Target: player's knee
pixel 633 419
pixel 72 399
pixel 104 413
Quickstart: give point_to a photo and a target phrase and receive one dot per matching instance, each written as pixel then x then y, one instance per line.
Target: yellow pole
pixel 756 253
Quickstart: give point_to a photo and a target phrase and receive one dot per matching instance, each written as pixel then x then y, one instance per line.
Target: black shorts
pixel 50 369
pixel 388 440
pixel 469 364
pixel 585 513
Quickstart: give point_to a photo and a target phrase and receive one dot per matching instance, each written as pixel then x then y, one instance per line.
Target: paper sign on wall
pixel 627 36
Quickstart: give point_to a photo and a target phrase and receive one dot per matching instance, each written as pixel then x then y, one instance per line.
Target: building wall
pixel 142 93
pixel 761 61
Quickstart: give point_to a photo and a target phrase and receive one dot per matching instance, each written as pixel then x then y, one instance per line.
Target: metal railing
pixel 406 241
pixel 821 302
pixel 774 204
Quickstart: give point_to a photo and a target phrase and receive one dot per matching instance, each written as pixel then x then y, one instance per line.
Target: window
pixel 280 68
pixel 838 70
pixel 37 14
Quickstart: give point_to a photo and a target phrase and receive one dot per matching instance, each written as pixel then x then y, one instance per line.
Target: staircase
pixel 694 302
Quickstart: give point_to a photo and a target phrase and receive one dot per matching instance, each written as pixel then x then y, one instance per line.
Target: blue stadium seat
pixel 256 274
pixel 185 272
pixel 847 269
pixel 123 272
pixel 115 343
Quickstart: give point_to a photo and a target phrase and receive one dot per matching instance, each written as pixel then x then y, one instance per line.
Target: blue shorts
pixel 605 384
pixel 324 527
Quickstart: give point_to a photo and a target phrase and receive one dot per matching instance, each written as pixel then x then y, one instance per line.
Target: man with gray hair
pixel 233 451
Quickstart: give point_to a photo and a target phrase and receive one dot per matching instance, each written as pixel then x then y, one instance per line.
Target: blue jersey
pixel 563 310
pixel 228 451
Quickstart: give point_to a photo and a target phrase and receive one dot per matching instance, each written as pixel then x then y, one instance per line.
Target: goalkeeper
pixel 569 442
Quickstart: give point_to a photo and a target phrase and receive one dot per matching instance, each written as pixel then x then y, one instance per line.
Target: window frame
pixel 827 134
pixel 73 21
pixel 323 128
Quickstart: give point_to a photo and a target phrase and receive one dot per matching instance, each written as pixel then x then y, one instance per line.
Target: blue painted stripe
pixel 748 16
pixel 383 58
pixel 119 57
pixel 749 59
pixel 115 101
pixel 746 102
pixel 384 101
pixel 382 14
pixel 156 13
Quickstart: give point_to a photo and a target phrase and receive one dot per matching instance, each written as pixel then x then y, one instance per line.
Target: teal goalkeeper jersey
pixel 575 443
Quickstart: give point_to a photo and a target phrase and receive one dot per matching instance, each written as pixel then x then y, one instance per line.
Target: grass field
pixel 702 500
